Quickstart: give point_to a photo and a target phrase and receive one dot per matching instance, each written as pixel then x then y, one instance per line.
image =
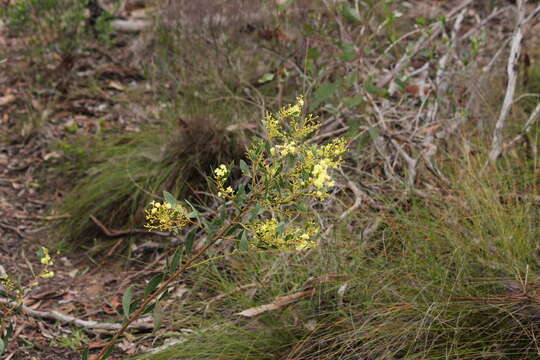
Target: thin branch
pixel 511 69
pixel 141 324
pixel 531 120
pixel 115 233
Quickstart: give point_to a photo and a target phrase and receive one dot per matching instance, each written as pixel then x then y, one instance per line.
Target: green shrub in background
pixel 53 28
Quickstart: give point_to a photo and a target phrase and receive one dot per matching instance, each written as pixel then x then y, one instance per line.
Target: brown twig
pixel 115 233
pixel 12 228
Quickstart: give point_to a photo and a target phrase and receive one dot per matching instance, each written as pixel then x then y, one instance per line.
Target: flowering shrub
pixel 16 293
pixel 269 207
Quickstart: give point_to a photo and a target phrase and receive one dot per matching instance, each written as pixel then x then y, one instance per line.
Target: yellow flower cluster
pixel 221 174
pixel 221 171
pixel 9 285
pixel 268 236
pixel 285 149
pixel 45 259
pixel 165 217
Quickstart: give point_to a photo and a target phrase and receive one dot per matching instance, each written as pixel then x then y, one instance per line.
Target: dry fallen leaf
pixel 277 304
pixel 7 99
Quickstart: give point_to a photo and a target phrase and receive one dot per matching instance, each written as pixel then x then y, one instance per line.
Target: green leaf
pixel 84 355
pixel 313 53
pixel 153 284
pixel 2 346
pixel 245 168
pixel 107 353
pixel 194 214
pixel 266 78
pixel 371 88
pixel 373 132
pixel 350 80
pixel 157 316
pixel 354 101
pixel 350 14
pixel 240 195
pixel 258 210
pixel 349 52
pixel 190 238
pixel 149 308
pixel 176 259
pixel 243 245
pixel 126 301
pixel 325 91
pixel 353 125
pixel 169 198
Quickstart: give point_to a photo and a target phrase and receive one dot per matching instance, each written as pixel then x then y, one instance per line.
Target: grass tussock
pixel 130 170
pixel 452 277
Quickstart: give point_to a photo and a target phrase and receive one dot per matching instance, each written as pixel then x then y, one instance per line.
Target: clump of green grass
pixel 454 276
pixel 130 170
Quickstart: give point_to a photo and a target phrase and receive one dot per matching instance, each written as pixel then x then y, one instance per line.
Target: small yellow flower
pixel 221 171
pixel 46 258
pixel 47 274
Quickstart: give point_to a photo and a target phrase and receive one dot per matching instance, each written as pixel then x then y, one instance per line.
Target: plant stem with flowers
pixel 270 208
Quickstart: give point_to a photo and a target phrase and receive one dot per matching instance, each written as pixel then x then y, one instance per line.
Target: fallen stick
pixel 512 70
pixel 141 324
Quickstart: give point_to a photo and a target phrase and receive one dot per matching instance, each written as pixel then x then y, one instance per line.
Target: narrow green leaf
pixel 84 355
pixel 176 260
pixel 126 301
pixel 258 210
pixel 245 168
pixel 107 354
pixel 157 316
pixel 169 198
pixel 194 214
pixel 190 238
pixel 2 346
pixel 153 284
pixel 243 245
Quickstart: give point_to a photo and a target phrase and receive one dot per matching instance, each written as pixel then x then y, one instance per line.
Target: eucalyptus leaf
pixel 245 168
pixel 169 198
pixel 175 260
pixel 190 238
pixel 157 315
pixel 153 284
pixel 243 245
pixel 126 301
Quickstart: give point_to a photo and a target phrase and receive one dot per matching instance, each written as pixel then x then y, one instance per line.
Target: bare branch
pixel 511 69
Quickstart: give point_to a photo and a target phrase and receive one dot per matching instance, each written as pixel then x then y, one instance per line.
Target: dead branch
pixel 511 69
pixel 141 324
pixel 130 26
pixel 531 120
